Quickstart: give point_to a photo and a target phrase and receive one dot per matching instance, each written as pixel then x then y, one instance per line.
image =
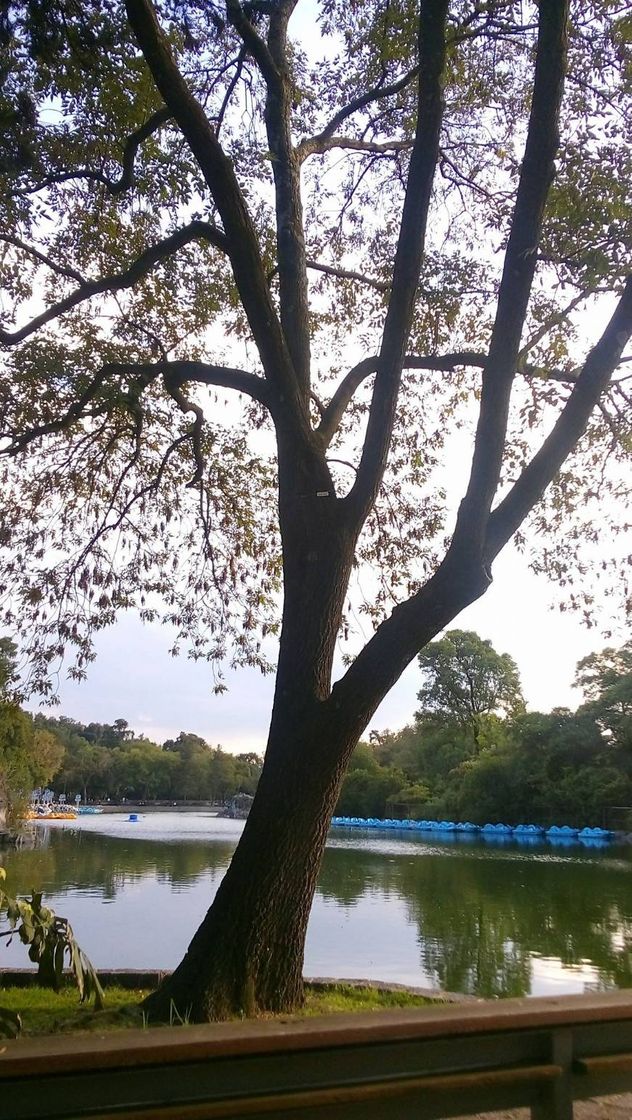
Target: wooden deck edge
pixel 237 1039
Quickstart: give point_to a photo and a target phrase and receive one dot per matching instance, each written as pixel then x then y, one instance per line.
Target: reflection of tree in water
pixel 67 861
pixel 348 875
pixel 482 915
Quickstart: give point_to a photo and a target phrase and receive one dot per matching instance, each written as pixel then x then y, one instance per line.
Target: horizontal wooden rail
pixel 424 1064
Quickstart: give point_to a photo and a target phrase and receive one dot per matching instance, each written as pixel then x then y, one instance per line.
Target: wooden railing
pixel 438 1062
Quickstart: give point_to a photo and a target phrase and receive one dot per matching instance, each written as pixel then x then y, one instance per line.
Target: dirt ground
pixel 601 1108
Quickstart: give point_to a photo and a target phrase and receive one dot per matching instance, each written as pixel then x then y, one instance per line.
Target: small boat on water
pixel 51 813
pixel 89 810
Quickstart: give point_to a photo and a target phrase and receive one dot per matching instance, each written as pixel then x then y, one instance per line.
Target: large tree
pixel 373 253
pixel 29 755
pixel 606 681
pixel 465 679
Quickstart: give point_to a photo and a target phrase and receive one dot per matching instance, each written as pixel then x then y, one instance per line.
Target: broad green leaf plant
pixel 51 945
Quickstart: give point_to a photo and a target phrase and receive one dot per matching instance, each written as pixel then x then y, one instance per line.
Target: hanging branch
pixel 119 280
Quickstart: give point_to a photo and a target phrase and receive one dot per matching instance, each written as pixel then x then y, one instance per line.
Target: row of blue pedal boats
pixel 522 832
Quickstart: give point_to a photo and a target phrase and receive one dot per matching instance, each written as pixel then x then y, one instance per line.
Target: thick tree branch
pixel 349 143
pixel 117 281
pixel 568 430
pixel 519 268
pixel 272 59
pixel 178 372
pixel 130 150
pixel 286 170
pixel 408 257
pixel 175 374
pixel 239 64
pixel 399 638
pixel 334 410
pixel 43 258
pixel 312 144
pixel 219 174
pixel 253 42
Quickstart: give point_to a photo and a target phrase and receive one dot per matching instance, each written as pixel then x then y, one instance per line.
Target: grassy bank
pixel 45 1012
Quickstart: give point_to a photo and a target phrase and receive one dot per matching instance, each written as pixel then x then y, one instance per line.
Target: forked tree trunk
pixel 247 955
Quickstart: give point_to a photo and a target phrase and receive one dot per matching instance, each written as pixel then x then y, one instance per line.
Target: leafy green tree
pixel 222 781
pixel 185 744
pixel 143 770
pixel 108 734
pixel 367 786
pixel 553 768
pixel 247 772
pixel 194 779
pixel 467 681
pixel 606 680
pixel 410 802
pixel 29 757
pixel 375 260
pixel 8 658
pixel 83 769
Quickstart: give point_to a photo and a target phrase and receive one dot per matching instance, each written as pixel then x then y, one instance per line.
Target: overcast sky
pixel 135 678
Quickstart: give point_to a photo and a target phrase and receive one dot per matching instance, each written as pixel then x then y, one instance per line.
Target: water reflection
pixel 471 917
pixel 484 915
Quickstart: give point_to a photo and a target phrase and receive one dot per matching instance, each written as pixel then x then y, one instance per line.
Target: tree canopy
pixel 606 680
pixel 466 678
pixel 154 240
pixel 558 767
pixel 262 297
pixel 109 761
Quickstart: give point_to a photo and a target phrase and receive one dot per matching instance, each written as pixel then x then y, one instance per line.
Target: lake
pixel 464 916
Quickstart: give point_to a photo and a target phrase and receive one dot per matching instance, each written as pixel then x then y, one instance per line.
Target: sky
pixel 136 679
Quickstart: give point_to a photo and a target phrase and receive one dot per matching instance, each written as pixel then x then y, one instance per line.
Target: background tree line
pixel 103 761
pixel 473 751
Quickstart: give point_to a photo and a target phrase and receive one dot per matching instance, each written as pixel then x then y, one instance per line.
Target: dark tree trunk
pixel 247 954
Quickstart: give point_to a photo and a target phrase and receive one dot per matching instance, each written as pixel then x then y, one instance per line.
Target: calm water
pixel 466 917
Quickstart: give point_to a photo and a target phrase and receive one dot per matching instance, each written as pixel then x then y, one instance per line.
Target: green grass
pixel 345 997
pixel 45 1012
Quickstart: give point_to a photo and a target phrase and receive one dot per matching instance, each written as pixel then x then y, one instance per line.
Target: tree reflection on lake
pixel 489 921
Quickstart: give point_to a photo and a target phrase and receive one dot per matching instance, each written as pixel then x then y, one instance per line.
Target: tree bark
pixel 247 955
